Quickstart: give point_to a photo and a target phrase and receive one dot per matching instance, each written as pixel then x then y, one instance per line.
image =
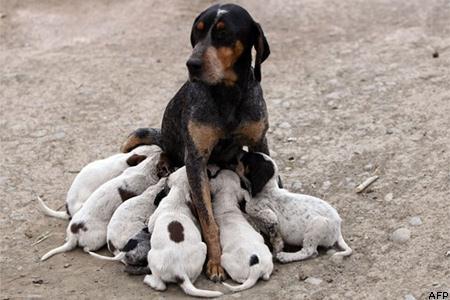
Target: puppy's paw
pixel 283 257
pixel 214 271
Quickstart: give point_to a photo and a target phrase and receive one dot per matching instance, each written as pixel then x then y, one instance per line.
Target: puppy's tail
pixel 255 273
pixel 343 245
pixel 118 257
pixel 190 289
pixel 50 212
pixel 69 245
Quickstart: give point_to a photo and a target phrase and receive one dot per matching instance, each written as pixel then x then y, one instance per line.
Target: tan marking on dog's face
pixel 176 231
pixel 204 136
pixel 200 25
pixel 219 62
pixel 220 25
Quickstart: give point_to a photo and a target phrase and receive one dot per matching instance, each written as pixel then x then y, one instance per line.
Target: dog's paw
pixel 283 257
pixel 214 271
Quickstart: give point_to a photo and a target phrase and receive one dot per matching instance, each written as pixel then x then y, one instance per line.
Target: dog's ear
pixel 258 171
pixel 262 50
pixel 135 159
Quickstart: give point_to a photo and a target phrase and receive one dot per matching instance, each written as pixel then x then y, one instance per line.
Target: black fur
pixel 132 243
pixel 253 260
pixel 259 171
pixel 161 195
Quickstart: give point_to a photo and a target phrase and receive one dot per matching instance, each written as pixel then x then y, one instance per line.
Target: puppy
pixel 290 218
pixel 177 252
pixel 94 175
pixel 245 257
pixel 129 219
pixel 88 226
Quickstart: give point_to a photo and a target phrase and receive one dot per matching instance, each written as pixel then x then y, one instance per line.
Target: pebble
pixel 38 281
pixel 59 135
pixel 66 266
pixel 447 254
pixel 313 280
pixel 415 221
pixel 409 297
pixel 285 125
pixel 326 185
pixel 401 235
pixel 389 131
pixel 368 167
pixel 389 197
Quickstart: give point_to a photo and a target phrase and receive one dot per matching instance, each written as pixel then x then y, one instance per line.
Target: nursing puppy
pixel 177 252
pixel 290 218
pixel 128 220
pixel 94 175
pixel 87 228
pixel 245 257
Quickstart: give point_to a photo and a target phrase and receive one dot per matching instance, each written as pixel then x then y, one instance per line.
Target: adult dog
pixel 217 111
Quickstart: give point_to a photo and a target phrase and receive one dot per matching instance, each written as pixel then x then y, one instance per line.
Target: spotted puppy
pixel 88 226
pixel 177 252
pixel 94 175
pixel 290 218
pixel 245 257
pixel 127 221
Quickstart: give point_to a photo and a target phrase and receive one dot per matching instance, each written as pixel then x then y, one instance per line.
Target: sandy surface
pixel 352 89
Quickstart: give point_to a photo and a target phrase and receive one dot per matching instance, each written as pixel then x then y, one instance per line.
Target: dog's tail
pixel 190 289
pixel 69 245
pixel 118 257
pixel 343 245
pixel 142 136
pixel 255 273
pixel 52 213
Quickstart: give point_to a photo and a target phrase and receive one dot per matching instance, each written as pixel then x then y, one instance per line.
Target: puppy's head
pixel 222 37
pixel 259 169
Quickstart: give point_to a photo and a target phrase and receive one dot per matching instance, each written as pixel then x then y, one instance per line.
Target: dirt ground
pixel 352 89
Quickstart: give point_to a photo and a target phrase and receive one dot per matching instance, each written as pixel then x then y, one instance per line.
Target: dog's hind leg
pixel 155 282
pixel 267 221
pixel 142 136
pixel 315 234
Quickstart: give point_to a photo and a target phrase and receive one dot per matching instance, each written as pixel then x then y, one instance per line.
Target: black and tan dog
pixel 217 112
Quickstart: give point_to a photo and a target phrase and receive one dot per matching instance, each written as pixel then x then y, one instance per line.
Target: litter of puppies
pixel 145 215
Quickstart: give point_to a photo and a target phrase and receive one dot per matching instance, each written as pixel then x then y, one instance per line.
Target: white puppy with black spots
pixel 177 252
pixel 295 219
pixel 88 227
pixel 245 257
pixel 129 219
pixel 93 175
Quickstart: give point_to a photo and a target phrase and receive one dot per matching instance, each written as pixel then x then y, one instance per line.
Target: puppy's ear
pixel 262 50
pixel 164 166
pixel 135 159
pixel 258 171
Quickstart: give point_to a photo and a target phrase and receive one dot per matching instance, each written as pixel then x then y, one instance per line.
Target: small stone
pixel 38 281
pixel 389 197
pixel 331 251
pixel 66 266
pixel 435 54
pixel 326 185
pixel 291 139
pixel 389 131
pixel 409 297
pixel 368 167
pixel 59 136
pixel 28 234
pixel 415 221
pixel 285 125
pixel 447 254
pixel 401 235
pixel 313 280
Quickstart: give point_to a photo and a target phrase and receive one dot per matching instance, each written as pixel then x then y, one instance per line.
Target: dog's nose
pixel 194 66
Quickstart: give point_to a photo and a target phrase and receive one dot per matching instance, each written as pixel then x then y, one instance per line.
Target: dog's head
pixel 259 169
pixel 223 37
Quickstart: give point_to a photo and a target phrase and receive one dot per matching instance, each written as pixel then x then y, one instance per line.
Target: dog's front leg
pixel 267 221
pixel 203 138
